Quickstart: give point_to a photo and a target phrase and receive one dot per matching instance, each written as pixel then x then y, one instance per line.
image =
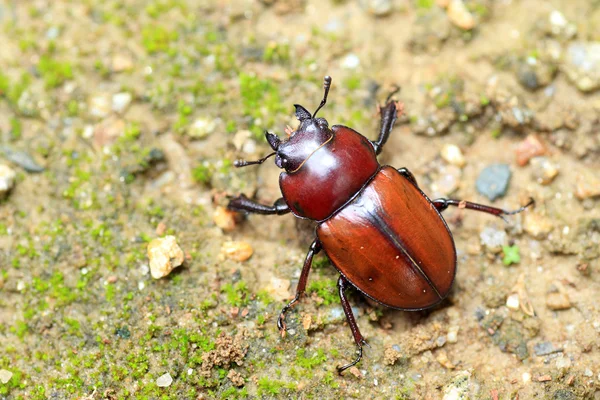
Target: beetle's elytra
pixel 380 231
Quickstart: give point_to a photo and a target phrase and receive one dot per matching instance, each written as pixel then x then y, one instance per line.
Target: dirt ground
pixel 120 122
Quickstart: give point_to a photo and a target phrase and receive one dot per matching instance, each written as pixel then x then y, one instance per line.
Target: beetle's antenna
pixel 243 163
pixel 326 86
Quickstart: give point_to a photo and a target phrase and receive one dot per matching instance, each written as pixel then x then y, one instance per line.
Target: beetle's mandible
pixel 381 232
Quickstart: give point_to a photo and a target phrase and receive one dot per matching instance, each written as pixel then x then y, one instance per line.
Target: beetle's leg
pixel 389 113
pixel 315 247
pixel 358 337
pixel 442 204
pixel 408 175
pixel 242 203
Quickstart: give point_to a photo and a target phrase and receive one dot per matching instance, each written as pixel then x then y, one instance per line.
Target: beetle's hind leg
pixel 358 337
pixel 442 204
pixel 242 203
pixel 315 247
pixel 389 113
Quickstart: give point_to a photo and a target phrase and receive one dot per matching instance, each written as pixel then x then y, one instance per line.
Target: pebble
pixel 5 376
pixel 279 288
pixel 164 380
pixel 121 101
pixel 534 73
pixel 7 180
pixel 351 61
pixel 21 158
pixel 512 301
pixel 164 255
pixel 543 170
pixel 452 154
pixel 493 181
pixel 545 348
pixel 531 147
pixel 582 65
pixel 537 225
pixel 238 251
pixel 563 362
pixel 459 15
pixel 100 106
pixel 458 388
pixel 453 334
pixel 121 62
pixel 493 239
pixel 224 219
pixel 587 186
pixel 557 298
pixel 378 8
pixel 201 128
pixel 447 181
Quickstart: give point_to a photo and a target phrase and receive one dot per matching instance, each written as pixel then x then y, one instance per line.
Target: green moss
pixel 325 289
pixel 511 255
pixel 269 386
pixel 202 173
pixel 236 295
pixel 54 73
pixel 156 38
pixel 353 82
pixel 424 4
pixel 311 362
pixel 16 128
pixel 276 52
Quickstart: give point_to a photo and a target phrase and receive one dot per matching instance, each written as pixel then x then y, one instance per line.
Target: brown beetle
pixel 380 231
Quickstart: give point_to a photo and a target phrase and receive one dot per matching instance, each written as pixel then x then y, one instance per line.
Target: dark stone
pixel 493 181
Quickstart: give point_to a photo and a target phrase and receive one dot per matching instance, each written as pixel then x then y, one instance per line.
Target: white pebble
pixel 164 380
pixel 5 376
pixel 164 255
pixel 453 334
pixel 141 285
pixel 351 61
pixel 121 101
pixel 7 179
pixel 526 377
pixel 563 362
pixel 512 301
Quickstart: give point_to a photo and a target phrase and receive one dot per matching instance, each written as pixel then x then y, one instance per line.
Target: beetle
pixel 380 231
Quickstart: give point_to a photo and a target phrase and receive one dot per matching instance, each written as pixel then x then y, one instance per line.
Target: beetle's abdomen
pixel 330 176
pixel 392 244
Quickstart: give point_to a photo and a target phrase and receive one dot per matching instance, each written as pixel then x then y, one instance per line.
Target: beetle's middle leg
pixel 389 114
pixel 242 203
pixel 442 204
pixel 315 247
pixel 358 337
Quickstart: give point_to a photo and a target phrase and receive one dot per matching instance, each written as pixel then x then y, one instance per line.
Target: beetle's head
pixel 312 133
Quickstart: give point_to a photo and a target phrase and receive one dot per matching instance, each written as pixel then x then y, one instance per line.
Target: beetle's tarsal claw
pixel 359 352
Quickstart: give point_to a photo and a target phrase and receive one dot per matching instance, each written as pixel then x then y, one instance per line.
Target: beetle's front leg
pixel 442 204
pixel 242 203
pixel 358 337
pixel 315 247
pixel 389 114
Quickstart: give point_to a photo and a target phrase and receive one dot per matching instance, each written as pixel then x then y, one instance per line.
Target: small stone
pixel 356 372
pixel 557 298
pixel 224 219
pixel 236 378
pixel 391 354
pixel 100 106
pixel 442 358
pixel 459 387
pixel 512 301
pixel 201 128
pixel 164 380
pixel 447 181
pixel 582 65
pixel 459 15
pixel 121 101
pixel 544 378
pixel 452 154
pixel 21 158
pixel 545 348
pixel 493 181
pixel 351 61
pixel 7 180
pixel 565 394
pixel 164 255
pixel 5 376
pixel 530 147
pixel 493 239
pixel 534 73
pixel 537 225
pixel 121 62
pixel 563 362
pixel 453 334
pixel 238 251
pixel 279 288
pixel 543 170
pixel 587 186
pixel 378 8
